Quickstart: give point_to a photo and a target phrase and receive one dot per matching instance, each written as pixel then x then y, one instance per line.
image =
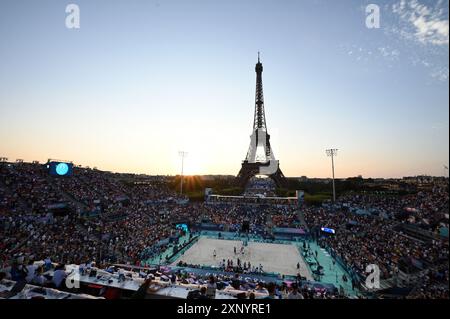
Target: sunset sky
pixel 142 80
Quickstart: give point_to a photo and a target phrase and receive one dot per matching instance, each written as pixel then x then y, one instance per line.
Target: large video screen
pixel 60 168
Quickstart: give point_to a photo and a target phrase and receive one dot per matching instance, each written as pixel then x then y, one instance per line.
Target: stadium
pixel 109 234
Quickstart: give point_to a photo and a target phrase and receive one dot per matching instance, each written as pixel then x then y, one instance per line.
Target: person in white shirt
pixel 39 278
pixel 294 293
pixel 260 288
pixel 211 288
pixel 31 269
pixel 20 260
pixel 121 273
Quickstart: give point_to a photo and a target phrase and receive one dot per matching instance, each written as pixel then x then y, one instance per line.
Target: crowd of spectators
pixel 367 232
pixel 135 221
pixel 260 186
pixel 244 287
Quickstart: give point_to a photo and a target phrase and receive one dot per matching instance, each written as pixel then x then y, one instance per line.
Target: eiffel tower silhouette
pixel 260 159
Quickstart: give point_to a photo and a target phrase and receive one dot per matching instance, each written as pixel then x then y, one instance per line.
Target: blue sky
pixel 141 80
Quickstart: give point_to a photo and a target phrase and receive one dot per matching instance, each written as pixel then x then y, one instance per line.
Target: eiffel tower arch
pixel 260 159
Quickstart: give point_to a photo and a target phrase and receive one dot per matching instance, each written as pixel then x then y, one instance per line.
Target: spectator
pixel 59 276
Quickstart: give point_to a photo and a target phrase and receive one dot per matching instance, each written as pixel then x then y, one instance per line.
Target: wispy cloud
pixel 440 74
pixel 389 53
pixel 373 54
pixel 426 24
pixel 419 30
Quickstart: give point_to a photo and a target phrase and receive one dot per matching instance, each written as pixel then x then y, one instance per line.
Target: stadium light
pixel 332 152
pixel 182 154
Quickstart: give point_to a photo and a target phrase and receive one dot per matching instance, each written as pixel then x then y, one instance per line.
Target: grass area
pixel 317 199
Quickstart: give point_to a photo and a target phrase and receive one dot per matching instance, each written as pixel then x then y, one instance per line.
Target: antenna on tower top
pixel 258 57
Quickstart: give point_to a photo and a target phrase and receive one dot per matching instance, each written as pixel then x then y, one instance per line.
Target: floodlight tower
pixel 182 154
pixel 332 152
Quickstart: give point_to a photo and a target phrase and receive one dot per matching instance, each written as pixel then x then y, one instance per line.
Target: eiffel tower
pixel 260 159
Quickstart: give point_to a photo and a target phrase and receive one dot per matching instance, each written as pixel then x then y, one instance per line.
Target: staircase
pixel 301 218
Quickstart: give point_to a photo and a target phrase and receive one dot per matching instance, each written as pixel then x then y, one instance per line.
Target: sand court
pixel 278 258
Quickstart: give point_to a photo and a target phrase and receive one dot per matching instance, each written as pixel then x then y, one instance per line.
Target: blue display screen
pixel 182 226
pixel 60 168
pixel 328 230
